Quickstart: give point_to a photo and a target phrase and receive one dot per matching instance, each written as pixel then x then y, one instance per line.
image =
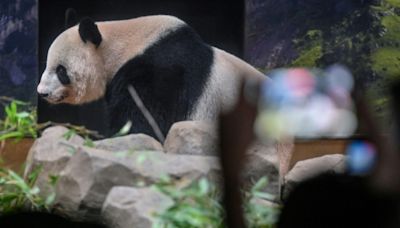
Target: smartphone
pixel 307 103
pixel 313 106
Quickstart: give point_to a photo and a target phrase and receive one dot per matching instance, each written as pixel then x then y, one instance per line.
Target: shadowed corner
pixel 43 220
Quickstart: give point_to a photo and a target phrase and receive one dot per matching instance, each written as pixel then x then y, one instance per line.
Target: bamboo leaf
pixel 125 129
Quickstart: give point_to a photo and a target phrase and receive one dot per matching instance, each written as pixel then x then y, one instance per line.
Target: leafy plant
pixel 68 135
pixel 125 129
pixel 19 194
pixel 259 215
pixel 88 142
pixel 75 130
pixel 198 205
pixel 19 122
pixel 87 134
pixel 194 206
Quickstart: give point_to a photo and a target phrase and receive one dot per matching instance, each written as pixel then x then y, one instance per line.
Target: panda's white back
pixel 125 39
pixel 223 86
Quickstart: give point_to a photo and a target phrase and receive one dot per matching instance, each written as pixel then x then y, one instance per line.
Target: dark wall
pixel 18 50
pixel 219 22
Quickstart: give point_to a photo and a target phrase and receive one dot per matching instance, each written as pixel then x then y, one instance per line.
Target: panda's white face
pixel 74 71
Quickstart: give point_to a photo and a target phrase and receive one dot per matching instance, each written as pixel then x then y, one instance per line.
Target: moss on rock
pixel 386 62
pixel 392 25
pixel 394 3
pixel 308 57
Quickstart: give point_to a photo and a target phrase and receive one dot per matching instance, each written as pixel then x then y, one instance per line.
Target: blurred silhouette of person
pixel 42 220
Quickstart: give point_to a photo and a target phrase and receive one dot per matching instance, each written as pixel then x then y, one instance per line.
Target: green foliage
pixel 78 130
pixel 385 58
pixel 198 205
pixel 88 142
pixel 20 121
pixel 194 206
pixel 87 134
pixel 392 25
pixel 310 49
pixel 314 34
pixel 18 194
pixel 386 61
pixel 260 215
pixel 308 57
pixel 75 130
pixel 394 3
pixel 125 129
pixel 68 135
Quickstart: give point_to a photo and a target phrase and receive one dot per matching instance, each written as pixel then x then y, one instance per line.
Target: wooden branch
pixel 146 113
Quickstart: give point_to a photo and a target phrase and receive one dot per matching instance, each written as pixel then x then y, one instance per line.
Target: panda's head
pixel 74 71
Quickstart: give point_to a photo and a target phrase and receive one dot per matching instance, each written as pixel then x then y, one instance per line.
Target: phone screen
pixel 307 103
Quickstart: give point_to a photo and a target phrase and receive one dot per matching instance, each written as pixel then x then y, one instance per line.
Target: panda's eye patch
pixel 62 75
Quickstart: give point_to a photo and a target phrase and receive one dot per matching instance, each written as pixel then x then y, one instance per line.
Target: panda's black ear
pixel 71 18
pixel 89 32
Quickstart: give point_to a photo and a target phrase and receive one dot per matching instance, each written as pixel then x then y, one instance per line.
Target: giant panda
pixel 176 74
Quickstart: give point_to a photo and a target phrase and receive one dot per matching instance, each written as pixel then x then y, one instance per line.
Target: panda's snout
pixel 43 95
pixel 42 91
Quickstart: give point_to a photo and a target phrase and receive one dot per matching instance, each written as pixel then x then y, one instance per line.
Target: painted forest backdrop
pixel 361 34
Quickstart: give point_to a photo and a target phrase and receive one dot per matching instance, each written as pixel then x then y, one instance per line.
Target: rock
pixel 285 149
pixel 91 173
pixel 262 161
pixel 50 153
pixel 86 180
pixel 87 175
pixel 191 137
pixel 200 138
pixel 334 163
pixel 131 142
pixel 127 207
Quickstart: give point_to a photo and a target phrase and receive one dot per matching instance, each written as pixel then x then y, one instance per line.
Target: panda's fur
pixel 175 73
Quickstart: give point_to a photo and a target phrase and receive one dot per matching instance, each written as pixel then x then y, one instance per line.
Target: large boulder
pixel 303 170
pixel 50 153
pixel 200 138
pixel 127 207
pixel 131 142
pixel 91 173
pixel 86 175
pixel 191 137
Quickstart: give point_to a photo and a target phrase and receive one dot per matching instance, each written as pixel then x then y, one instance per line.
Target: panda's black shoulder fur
pixel 169 76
